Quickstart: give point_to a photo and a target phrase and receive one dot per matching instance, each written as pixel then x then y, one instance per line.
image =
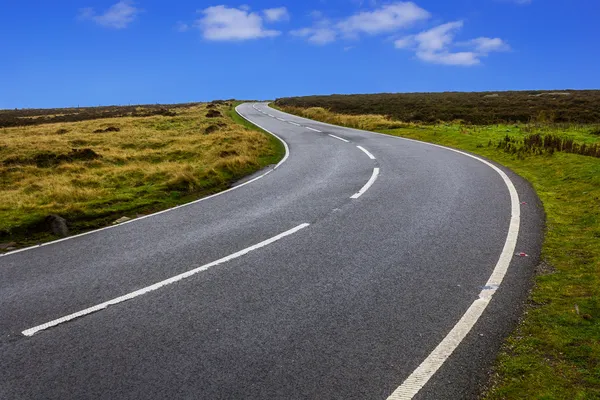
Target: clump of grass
pixel 555 351
pixel 47 159
pixel 184 180
pixel 538 144
pixel 135 165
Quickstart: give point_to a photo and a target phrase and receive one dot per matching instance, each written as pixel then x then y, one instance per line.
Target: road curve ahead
pixel 364 266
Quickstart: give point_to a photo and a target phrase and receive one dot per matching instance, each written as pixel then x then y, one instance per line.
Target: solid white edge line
pixel 158 285
pixel 367 185
pixel 419 378
pixel 284 159
pixel 339 138
pixel 313 129
pixel 371 156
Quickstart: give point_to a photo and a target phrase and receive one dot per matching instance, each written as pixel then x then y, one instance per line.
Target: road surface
pixel 363 266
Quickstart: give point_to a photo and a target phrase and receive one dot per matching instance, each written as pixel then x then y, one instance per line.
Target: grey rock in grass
pixel 7 246
pixel 57 225
pixel 121 220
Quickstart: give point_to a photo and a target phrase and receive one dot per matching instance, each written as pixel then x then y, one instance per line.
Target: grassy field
pixel 92 172
pixel 555 351
pixel 38 116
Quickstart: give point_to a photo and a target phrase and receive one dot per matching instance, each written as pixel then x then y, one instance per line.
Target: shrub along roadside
pixel 554 353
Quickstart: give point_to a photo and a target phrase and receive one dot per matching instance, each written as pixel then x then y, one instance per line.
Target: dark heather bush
pixel 578 106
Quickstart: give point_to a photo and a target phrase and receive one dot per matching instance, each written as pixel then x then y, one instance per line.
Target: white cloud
pixel 438 38
pixel 464 58
pixel 385 19
pixel 320 33
pixel 316 35
pixel 405 42
pixel 276 14
pixel 435 46
pixel 118 16
pixel 388 18
pixel 222 23
pixel 487 45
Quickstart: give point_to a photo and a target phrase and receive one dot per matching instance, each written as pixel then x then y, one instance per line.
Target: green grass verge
pixel 555 351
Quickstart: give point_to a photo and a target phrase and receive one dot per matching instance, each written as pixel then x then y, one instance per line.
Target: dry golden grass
pixel 368 122
pixel 152 162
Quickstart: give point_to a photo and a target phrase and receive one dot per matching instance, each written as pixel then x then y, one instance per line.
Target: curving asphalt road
pixel 344 273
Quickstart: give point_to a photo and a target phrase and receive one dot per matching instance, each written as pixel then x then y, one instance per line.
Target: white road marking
pixel 272 116
pixel 339 138
pixel 417 380
pixel 281 119
pixel 284 159
pixel 368 185
pixel 313 129
pixel 158 285
pixel 293 123
pixel 371 156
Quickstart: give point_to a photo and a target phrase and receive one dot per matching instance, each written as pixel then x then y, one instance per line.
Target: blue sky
pixel 85 52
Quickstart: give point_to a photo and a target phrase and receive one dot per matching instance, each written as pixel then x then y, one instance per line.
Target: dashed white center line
pixel 339 138
pixel 371 156
pixel 313 129
pixel 158 285
pixel 293 123
pixel 281 119
pixel 272 116
pixel 368 185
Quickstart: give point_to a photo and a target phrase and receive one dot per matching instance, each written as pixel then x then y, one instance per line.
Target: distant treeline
pixel 569 106
pixel 38 116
